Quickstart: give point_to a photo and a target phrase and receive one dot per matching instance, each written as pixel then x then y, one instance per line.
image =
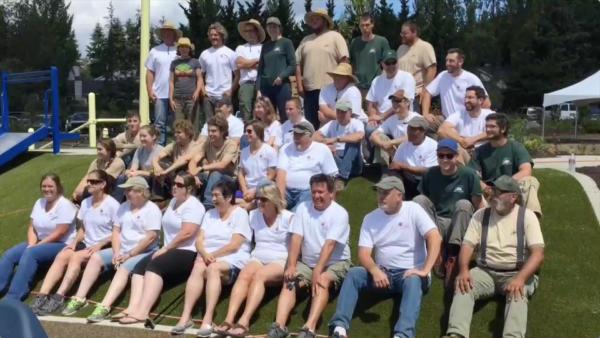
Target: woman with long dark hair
pixel 107 161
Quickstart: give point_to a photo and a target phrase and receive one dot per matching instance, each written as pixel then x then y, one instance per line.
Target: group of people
pixel 252 203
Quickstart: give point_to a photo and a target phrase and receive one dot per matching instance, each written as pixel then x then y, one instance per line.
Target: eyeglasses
pixel 249 131
pixel 94 182
pixel 179 185
pixel 390 63
pixel 490 127
pixel 445 156
pixel 396 101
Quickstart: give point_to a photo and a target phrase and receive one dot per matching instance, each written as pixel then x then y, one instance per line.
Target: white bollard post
pixel 31 147
pixel 105 133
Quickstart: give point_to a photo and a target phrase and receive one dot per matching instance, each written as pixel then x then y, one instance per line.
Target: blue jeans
pixel 162 110
pixel 358 279
pixel 293 197
pixel 311 107
pixel 244 142
pixel 28 260
pixel 368 132
pixel 279 95
pixel 208 181
pixel 349 161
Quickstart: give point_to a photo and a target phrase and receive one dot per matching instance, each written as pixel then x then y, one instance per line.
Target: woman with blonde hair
pixel 265 112
pixel 270 223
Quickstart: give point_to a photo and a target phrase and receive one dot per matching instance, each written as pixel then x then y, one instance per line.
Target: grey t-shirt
pixel 185 75
pixel 143 158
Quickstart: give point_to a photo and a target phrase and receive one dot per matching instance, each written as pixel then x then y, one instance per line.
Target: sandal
pixel 244 334
pixel 224 332
pixel 118 316
pixel 128 320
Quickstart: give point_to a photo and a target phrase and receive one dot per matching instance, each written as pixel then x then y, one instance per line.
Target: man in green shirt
pixel 450 194
pixel 501 156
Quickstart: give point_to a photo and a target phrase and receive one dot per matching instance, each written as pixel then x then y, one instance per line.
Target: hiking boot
pixel 38 303
pixel 74 305
pixel 100 313
pixel 340 184
pixel 306 333
pixel 450 272
pixel 54 303
pixel 439 270
pixel 277 331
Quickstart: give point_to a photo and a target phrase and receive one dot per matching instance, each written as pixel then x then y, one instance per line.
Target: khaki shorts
pixel 277 261
pixel 337 270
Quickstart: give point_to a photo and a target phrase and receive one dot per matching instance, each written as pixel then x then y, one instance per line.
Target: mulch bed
pixel 593 172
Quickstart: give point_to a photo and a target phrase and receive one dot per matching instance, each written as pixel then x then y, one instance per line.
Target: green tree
pixel 115 46
pixel 96 52
pixel 229 18
pixel 283 10
pixel 252 10
pixel 330 6
pixel 131 53
pixel 353 9
pixel 387 24
pixel 201 14
pixel 307 9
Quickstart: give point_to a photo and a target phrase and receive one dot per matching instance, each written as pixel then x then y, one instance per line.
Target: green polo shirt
pixel 365 57
pixel 494 162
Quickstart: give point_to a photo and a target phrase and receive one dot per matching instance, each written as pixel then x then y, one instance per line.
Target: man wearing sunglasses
pixel 450 194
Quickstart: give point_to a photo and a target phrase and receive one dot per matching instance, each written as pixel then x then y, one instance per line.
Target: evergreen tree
pixel 283 10
pixel 201 14
pixel 131 53
pixel 330 6
pixel 96 52
pixel 386 23
pixel 229 18
pixel 252 10
pixel 115 46
pixel 303 25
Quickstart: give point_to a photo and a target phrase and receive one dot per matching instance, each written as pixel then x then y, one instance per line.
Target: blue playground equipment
pixel 13 144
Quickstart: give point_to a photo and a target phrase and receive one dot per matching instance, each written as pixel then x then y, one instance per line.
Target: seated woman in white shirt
pixel 97 215
pixel 52 226
pixel 135 235
pixel 181 225
pixel 258 162
pixel 265 112
pixel 270 224
pixel 224 245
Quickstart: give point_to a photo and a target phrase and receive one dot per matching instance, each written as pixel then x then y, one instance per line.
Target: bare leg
pixel 56 271
pixel 152 286
pixel 285 304
pixel 193 291
pixel 213 289
pixel 116 287
pixel 135 297
pixel 73 271
pixel 319 302
pixel 240 291
pixel 90 275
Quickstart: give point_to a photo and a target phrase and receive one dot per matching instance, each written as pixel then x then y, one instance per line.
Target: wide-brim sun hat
pixel 167 26
pixel 344 69
pixel 319 12
pixel 185 42
pixel 261 32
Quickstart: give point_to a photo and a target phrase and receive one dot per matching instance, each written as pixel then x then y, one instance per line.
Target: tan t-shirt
pixel 501 250
pixel 416 59
pixel 115 167
pixel 127 143
pixel 213 154
pixel 175 150
pixel 318 55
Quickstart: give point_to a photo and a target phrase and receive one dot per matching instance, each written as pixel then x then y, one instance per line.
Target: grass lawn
pixel 566 305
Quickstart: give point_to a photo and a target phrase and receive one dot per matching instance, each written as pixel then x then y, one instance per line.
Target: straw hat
pixel 255 23
pixel 185 42
pixel 344 69
pixel 320 12
pixel 167 26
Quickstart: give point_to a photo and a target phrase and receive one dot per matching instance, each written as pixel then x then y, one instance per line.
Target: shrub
pixel 591 127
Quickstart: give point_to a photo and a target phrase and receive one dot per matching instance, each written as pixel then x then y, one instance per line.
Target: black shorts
pixel 173 262
pixel 80 246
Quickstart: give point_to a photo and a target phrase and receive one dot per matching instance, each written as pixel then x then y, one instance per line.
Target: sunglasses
pixel 94 182
pixel 390 63
pixel 445 156
pixel 249 131
pixel 179 185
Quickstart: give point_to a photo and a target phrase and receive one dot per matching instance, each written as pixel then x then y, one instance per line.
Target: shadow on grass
pixel 19 160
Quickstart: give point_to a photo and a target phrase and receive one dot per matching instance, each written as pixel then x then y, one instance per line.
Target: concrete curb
pixel 591 190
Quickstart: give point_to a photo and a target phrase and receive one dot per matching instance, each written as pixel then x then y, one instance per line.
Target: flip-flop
pixel 123 321
pixel 244 334
pixel 118 316
pixel 226 325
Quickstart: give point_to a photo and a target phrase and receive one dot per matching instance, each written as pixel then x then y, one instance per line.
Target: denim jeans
pixel 208 181
pixel 162 109
pixel 311 107
pixel 28 260
pixel 293 197
pixel 349 161
pixel 358 279
pixel 279 95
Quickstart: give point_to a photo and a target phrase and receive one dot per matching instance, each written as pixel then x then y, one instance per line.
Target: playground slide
pixel 13 144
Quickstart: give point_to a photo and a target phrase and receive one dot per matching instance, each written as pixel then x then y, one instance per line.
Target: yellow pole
pixel 144 50
pixel 92 119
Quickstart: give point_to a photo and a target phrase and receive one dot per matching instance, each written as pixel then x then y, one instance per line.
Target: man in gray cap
pixel 224 107
pixel 406 244
pixel 414 157
pixel 299 161
pixel 344 137
pixel 511 252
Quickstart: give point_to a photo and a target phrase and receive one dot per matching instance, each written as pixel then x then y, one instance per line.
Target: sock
pixel 340 331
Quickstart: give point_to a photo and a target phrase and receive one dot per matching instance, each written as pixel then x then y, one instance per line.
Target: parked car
pixel 532 113
pixel 76 120
pixel 564 111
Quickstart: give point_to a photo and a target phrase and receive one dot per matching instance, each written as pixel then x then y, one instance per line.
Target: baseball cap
pixel 388 183
pixel 399 95
pixel 226 100
pixel 448 144
pixel 506 183
pixel 304 127
pixel 418 122
pixel 343 105
pixel 274 20
pixel 135 182
pixel 390 55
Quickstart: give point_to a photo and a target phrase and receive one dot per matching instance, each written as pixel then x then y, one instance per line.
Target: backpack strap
pixel 521 237
pixel 484 235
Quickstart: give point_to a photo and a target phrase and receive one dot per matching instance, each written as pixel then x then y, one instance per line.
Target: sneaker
pixel 306 333
pixel 38 303
pixel 54 303
pixel 340 184
pixel 100 313
pixel 450 272
pixel 277 331
pixel 74 305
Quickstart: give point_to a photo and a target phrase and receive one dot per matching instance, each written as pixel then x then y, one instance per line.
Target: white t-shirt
pixel 467 126
pixel 274 129
pixel 396 127
pixel 287 132
pixel 301 166
pixel 316 227
pixel 382 88
pixel 135 225
pixel 190 211
pixel 248 52
pixel 44 223
pixel 452 89
pixel 398 240
pixel 256 166
pixel 218 66
pixel 329 96
pixel 422 156
pixel 271 242
pixel 98 222
pixel 235 127
pixel 334 129
pixel 159 62
pixel 218 233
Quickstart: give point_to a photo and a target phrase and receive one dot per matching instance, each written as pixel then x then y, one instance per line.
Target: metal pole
pixel 55 110
pixel 144 50
pixel 92 119
pixel 576 115
pixel 4 108
pixel 543 121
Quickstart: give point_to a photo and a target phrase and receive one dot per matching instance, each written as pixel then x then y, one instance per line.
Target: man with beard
pixel 467 125
pixel 320 231
pixel 511 252
pixel 451 86
pixel 501 156
pixel 248 56
pixel 450 194
pixel 317 54
pixel 406 244
pixel 299 161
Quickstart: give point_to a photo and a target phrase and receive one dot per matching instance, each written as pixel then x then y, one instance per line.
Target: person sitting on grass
pixel 216 160
pixel 135 235
pixel 129 140
pixel 51 228
pixel 107 161
pixel 258 162
pixel 406 244
pixel 224 245
pixel 141 164
pixel 320 232
pixel 173 159
pixel 235 126
pixel 511 252
pixel 293 111
pixel 270 223
pixel 344 137
pixel 181 225
pixel 97 215
pixel 501 156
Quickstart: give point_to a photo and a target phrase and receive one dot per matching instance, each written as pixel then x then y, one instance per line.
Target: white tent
pixel 584 92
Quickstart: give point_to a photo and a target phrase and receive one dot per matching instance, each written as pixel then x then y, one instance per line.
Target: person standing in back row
pixel 277 63
pixel 247 59
pixel 318 54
